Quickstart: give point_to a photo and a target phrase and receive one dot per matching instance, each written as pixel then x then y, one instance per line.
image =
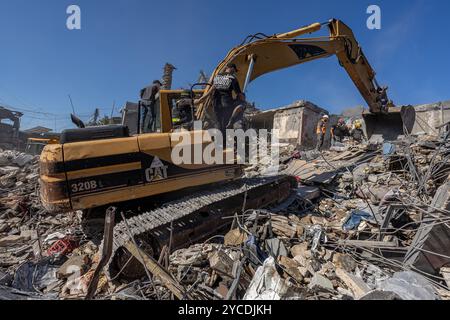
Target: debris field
pixel 367 222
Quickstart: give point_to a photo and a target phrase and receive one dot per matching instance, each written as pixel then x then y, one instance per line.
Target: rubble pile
pixel 27 231
pixel 347 233
pixel 367 221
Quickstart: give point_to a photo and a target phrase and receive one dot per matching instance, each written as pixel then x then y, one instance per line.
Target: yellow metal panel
pixel 154 141
pixel 99 148
pixel 103 170
pixel 142 191
pixel 292 34
pixel 60 177
pixel 156 144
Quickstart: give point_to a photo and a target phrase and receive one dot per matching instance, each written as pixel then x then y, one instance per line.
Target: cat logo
pixel 157 171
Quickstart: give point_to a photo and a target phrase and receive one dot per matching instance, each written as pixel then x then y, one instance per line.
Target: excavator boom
pixel 261 54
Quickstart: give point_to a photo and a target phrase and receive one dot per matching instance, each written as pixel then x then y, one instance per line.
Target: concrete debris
pixel 355 284
pixel 381 295
pixel 25 232
pixel 267 284
pixel 410 286
pixel 276 248
pixel 235 237
pixel 15 239
pixel 344 261
pixel 320 283
pixel 75 264
pixel 445 272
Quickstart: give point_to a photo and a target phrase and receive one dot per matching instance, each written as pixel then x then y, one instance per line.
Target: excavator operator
pixel 183 110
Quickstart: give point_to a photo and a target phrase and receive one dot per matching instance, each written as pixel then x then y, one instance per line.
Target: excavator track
pixel 191 218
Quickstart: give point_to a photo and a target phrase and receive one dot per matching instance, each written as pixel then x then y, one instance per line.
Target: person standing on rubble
pixel 149 96
pixel 357 133
pixel 321 131
pixel 339 131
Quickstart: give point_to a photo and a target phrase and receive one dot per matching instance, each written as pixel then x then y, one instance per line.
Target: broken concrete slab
pixel 267 283
pixel 290 267
pixel 301 260
pixel 23 159
pixel 15 239
pixel 355 284
pixel 344 261
pixel 320 283
pixel 235 237
pixel 275 247
pixel 301 250
pixel 222 263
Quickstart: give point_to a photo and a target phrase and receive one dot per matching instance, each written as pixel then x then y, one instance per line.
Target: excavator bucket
pixel 389 126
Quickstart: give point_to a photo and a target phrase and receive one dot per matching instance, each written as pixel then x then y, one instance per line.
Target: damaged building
pixel 296 123
pixel 9 128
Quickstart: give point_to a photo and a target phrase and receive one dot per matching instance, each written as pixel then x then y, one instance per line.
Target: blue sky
pixel 124 44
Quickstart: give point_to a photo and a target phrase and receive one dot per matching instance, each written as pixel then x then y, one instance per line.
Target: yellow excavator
pixel 93 169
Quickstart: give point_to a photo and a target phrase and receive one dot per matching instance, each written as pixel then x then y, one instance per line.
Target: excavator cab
pixel 167 116
pixel 170 101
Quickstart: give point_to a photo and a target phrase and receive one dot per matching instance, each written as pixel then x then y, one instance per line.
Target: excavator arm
pixel 261 54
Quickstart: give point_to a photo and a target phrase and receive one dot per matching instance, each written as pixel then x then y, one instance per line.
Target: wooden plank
pixel 106 252
pixel 158 271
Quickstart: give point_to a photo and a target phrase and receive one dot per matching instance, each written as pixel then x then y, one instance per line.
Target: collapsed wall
pixel 429 118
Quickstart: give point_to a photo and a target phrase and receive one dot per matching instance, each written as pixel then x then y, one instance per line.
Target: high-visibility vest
pixel 321 128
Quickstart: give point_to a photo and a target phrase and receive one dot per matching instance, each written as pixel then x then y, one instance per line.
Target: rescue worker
pixel 182 115
pixel 383 98
pixel 224 103
pixel 148 105
pixel 339 131
pixel 321 131
pixel 357 133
